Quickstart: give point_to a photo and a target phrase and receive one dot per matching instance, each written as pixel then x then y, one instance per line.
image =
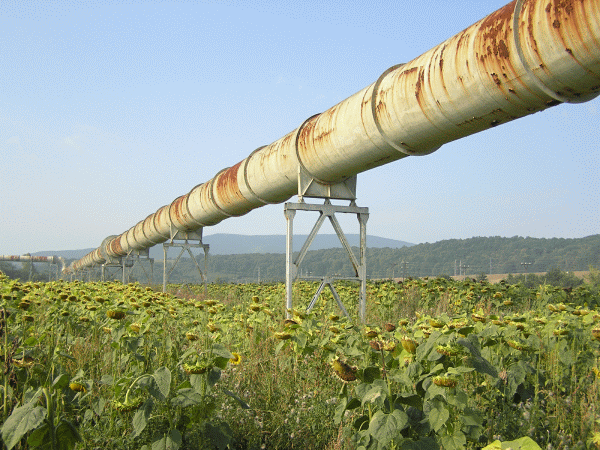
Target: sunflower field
pixel 438 364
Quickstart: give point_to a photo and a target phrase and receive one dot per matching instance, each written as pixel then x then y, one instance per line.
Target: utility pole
pixel 394 270
pixel 526 265
pixel 464 268
pixel 404 264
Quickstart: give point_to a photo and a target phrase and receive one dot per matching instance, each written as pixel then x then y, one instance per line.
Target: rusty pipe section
pixel 36 259
pixel 525 57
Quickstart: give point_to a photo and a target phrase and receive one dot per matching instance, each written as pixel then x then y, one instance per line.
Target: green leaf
pixel 409 399
pixel 31 341
pixel 22 420
pixel 38 436
pixel 369 374
pixel 222 351
pixel 438 414
pixel 61 381
pixel 187 397
pixel 279 347
pixel 473 419
pixel 425 443
pixel 340 409
pixel 385 427
pixel 375 395
pixel 300 340
pixel 460 370
pixel 459 399
pixel 234 396
pixel 454 441
pixel 213 376
pixel 162 376
pixel 67 435
pixel 107 380
pixel 141 417
pixel 524 443
pixel 170 441
pixel 221 363
pixel 220 434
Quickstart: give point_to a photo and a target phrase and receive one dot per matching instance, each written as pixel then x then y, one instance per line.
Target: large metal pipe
pixel 36 259
pixel 525 57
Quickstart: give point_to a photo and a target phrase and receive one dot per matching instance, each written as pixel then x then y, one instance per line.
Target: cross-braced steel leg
pixel 326 211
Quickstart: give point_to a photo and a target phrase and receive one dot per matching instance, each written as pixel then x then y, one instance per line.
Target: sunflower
pixel 343 370
pixel 77 387
pixel 237 358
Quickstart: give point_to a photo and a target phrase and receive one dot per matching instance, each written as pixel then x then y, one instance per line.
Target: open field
pixel 438 363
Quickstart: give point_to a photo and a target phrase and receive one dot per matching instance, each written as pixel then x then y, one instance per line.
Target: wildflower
pixel 435 323
pixel 213 328
pixel 516 345
pixel 77 387
pixel 191 336
pixel 449 350
pixel 389 346
pixel 128 405
pixel 25 361
pixel 376 345
pixel 114 314
pixel 343 370
pixel 195 368
pixel 478 317
pixel 445 381
pixel 371 333
pixel 410 345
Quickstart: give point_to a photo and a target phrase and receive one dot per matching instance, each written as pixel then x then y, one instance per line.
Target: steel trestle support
pixel 181 239
pixel 326 211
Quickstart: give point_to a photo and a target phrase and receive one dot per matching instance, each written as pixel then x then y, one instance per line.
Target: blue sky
pixel 110 110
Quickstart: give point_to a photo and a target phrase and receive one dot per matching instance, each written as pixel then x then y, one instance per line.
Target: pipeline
pixel 525 57
pixel 59 260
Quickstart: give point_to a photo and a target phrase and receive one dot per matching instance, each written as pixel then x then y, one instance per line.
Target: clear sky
pixel 110 110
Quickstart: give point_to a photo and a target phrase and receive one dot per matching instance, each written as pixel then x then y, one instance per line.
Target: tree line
pixel 471 257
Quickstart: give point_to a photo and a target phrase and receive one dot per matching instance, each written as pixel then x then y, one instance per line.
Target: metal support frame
pixel 136 257
pixel 107 270
pixel 310 187
pixel 181 239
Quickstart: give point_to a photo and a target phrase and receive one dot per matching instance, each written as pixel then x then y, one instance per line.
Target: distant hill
pixel 471 257
pixel 385 257
pixel 238 244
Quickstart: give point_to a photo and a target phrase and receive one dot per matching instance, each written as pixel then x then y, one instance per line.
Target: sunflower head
pixel 343 370
pixel 237 358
